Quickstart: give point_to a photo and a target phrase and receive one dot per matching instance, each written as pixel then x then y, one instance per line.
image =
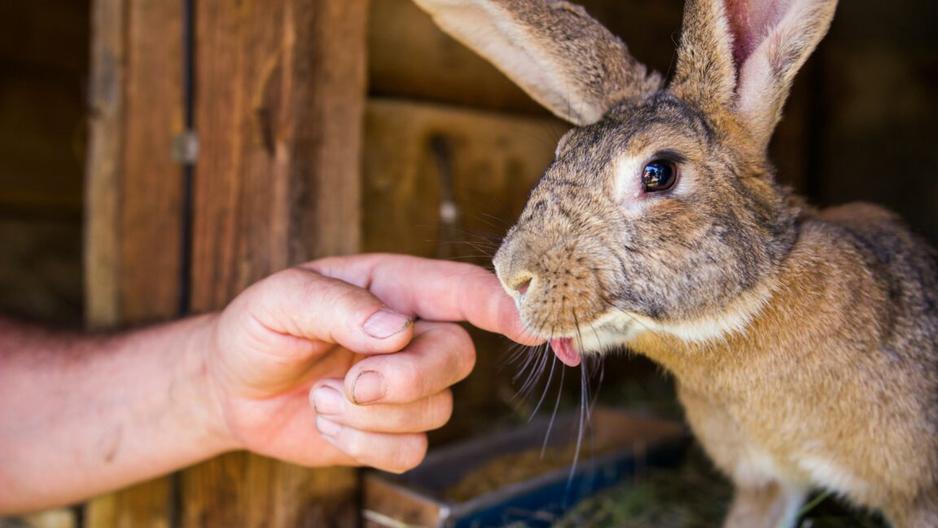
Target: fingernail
pixel 384 323
pixel 369 387
pixel 327 400
pixel 327 428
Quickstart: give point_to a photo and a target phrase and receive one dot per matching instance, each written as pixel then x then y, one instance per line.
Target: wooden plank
pixel 280 101
pixel 106 100
pixel 493 160
pixel 151 190
pixel 134 197
pixel 59 518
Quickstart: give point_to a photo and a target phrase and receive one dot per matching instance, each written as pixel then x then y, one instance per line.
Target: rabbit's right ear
pixel 741 56
pixel 552 49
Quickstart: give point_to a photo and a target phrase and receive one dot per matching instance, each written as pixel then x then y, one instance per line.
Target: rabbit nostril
pixel 522 287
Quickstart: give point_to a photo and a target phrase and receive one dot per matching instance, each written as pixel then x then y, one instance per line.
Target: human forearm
pixel 321 364
pixel 80 415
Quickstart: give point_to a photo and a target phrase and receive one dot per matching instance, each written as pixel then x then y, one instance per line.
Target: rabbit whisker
pixel 550 377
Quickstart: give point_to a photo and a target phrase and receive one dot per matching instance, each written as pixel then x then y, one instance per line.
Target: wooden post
pixel 280 91
pixel 134 190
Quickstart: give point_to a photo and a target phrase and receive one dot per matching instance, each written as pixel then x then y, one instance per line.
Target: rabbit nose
pixel 521 282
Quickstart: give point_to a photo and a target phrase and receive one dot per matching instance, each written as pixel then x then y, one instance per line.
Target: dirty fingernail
pixel 369 387
pixel 385 323
pixel 327 400
pixel 327 428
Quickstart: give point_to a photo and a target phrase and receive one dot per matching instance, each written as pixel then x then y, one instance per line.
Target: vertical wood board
pixel 134 189
pixel 279 107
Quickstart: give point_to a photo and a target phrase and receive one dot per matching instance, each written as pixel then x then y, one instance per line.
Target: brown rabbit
pixel 803 341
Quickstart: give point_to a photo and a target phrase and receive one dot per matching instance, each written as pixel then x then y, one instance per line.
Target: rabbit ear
pixel 560 56
pixel 742 55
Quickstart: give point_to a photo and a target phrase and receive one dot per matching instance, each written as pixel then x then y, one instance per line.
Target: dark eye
pixel 659 175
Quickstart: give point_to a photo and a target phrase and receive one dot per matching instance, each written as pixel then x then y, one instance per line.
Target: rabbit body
pixel 832 384
pixel 804 342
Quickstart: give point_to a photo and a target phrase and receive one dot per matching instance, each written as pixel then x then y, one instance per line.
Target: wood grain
pixel 106 99
pixel 134 198
pixel 280 100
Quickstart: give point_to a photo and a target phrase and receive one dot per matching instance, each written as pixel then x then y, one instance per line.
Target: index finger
pixel 435 290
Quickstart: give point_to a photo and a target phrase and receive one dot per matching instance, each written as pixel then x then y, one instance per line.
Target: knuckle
pixel 405 375
pixel 457 341
pixel 439 410
pixel 467 360
pixel 353 442
pixel 412 452
pixel 292 278
pixel 464 352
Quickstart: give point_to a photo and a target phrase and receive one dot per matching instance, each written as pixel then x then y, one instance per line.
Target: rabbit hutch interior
pixel 159 156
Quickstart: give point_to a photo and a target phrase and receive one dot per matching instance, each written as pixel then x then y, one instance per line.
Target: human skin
pixel 343 361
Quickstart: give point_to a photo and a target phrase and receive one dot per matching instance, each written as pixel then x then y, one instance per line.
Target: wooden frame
pixel 279 106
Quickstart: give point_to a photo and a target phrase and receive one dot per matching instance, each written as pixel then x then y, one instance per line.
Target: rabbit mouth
pixel 565 351
pixel 608 332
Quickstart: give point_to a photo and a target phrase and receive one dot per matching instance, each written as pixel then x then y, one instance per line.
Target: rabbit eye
pixel 659 175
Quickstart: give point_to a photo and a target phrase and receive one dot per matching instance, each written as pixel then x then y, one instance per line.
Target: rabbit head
pixel 660 210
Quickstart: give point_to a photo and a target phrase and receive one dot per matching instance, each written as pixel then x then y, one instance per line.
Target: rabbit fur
pixel 803 341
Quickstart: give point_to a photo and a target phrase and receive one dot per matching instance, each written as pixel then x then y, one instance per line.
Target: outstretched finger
pixel 435 290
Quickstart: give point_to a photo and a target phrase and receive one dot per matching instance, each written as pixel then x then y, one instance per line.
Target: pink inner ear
pixel 751 21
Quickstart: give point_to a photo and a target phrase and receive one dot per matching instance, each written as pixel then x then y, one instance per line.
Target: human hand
pixel 323 364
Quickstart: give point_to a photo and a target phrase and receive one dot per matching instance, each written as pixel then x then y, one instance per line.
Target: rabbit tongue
pixel 565 351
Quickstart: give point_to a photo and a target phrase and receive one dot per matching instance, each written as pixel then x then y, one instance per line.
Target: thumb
pixel 305 304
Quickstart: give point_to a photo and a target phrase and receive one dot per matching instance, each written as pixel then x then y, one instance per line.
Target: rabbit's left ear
pixel 742 55
pixel 552 49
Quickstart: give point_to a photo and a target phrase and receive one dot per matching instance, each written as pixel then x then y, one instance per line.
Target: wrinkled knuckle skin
pixel 412 453
pixel 467 361
pixel 292 279
pixel 458 343
pixel 353 443
pixel 440 410
pixel 464 351
pixel 406 378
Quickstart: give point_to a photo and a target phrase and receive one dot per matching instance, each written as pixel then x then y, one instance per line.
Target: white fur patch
pixel 794 499
pixel 618 328
pixel 828 474
pixel 755 468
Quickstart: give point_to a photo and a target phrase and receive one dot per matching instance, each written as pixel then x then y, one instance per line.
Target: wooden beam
pixel 134 190
pixel 106 100
pixel 280 99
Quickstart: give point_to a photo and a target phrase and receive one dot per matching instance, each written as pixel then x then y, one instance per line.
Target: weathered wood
pixel 60 518
pixel 280 99
pixel 151 188
pixel 104 153
pixel 134 197
pixel 492 160
pixel 495 159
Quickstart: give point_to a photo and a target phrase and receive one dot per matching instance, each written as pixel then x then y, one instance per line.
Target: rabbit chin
pixel 617 329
